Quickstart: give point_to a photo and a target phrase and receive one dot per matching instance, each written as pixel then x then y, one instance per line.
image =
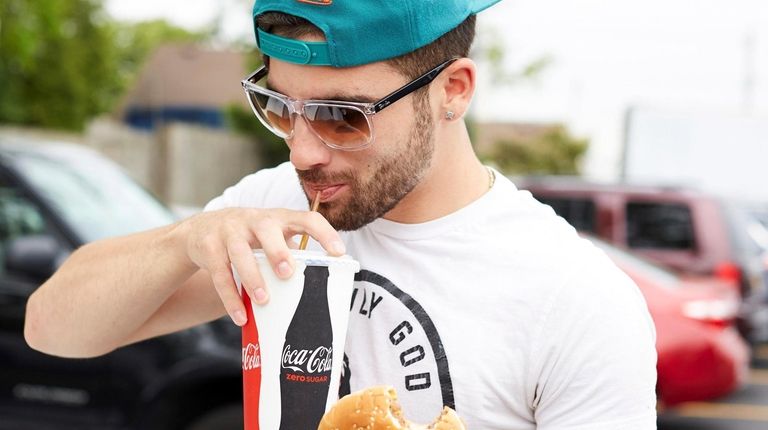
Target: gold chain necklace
pixel 491 177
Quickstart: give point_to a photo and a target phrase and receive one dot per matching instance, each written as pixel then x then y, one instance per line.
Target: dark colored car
pixel 685 230
pixel 53 199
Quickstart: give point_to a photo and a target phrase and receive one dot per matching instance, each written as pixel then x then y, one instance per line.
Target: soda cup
pixel 293 347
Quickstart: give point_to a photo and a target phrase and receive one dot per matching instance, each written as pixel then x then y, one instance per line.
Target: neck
pixel 455 179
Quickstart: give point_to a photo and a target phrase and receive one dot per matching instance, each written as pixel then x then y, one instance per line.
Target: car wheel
pixel 227 417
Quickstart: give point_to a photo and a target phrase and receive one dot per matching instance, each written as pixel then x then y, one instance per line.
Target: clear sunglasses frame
pixel 298 107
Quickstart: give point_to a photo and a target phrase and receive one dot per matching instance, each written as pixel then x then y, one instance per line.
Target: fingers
pixel 277 251
pixel 241 256
pixel 220 241
pixel 224 283
pixel 314 224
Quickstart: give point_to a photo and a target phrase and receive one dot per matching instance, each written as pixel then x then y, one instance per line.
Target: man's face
pixel 358 187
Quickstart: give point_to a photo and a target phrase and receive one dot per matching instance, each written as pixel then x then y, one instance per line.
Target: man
pixel 471 293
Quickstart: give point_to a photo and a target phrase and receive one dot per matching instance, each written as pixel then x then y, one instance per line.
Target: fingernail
pixel 338 248
pixel 239 318
pixel 284 269
pixel 260 295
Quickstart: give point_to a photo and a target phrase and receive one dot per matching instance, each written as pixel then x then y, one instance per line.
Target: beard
pixel 394 176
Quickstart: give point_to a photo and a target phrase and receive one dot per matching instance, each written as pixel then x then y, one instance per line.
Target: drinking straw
pixel 305 236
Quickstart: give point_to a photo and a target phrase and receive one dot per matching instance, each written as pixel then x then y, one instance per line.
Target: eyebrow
pixel 342 97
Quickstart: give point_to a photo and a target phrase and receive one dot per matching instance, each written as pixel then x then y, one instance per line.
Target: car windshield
pixel 625 261
pixel 92 194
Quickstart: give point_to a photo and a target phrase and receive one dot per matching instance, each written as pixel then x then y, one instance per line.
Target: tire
pixel 226 417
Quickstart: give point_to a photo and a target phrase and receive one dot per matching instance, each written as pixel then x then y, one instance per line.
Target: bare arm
pixel 118 291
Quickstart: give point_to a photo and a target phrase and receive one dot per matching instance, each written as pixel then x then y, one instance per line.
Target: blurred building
pixel 185 83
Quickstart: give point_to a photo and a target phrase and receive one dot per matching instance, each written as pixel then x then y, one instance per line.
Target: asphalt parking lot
pixel 745 409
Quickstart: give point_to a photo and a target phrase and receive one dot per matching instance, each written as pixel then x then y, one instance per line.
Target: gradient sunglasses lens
pixel 339 125
pixel 272 111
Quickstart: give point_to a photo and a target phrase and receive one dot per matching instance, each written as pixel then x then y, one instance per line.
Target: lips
pixel 327 192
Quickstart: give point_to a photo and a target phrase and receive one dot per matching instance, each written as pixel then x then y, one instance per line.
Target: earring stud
pixel 449 115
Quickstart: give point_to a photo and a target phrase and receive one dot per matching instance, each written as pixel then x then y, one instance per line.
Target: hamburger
pixel 377 408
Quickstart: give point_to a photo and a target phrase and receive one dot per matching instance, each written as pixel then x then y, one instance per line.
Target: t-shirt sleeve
pixel 594 367
pixel 275 187
pixel 229 198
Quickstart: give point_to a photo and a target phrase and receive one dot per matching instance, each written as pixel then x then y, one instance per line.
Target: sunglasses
pixel 343 125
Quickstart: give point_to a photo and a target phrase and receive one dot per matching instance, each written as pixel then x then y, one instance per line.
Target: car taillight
pixel 717 312
pixel 729 272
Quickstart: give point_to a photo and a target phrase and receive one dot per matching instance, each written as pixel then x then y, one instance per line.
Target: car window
pixel 579 212
pixel 664 226
pixel 758 235
pixel 96 198
pixel 748 236
pixel 18 217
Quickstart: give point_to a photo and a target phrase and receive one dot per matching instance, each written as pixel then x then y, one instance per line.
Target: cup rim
pixel 315 258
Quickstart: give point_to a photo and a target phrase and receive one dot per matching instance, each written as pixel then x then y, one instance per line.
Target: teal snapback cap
pixel 362 31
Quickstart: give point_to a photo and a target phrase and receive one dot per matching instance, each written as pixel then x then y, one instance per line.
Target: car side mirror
pixel 36 256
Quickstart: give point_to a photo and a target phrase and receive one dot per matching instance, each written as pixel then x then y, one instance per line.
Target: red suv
pixel 685 230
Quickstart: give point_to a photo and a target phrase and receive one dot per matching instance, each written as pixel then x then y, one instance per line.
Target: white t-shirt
pixel 499 310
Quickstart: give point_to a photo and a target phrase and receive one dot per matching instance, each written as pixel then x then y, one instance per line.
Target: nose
pixel 307 150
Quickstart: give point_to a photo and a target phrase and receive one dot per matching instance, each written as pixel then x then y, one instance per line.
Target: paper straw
pixel 305 236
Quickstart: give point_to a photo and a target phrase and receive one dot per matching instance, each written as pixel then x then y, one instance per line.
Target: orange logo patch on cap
pixel 317 2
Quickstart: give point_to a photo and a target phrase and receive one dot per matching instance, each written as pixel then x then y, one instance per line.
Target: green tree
pixel 554 152
pixel 63 62
pixel 492 51
pixel 57 62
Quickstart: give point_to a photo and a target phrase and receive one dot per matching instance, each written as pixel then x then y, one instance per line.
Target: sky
pixel 606 55
pixel 190 14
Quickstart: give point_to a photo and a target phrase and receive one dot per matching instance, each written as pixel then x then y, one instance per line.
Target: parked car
pixel 700 353
pixel 685 230
pixel 53 199
pixel 757 228
pixel 760 213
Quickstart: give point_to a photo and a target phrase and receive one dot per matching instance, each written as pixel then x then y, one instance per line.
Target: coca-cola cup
pixel 293 347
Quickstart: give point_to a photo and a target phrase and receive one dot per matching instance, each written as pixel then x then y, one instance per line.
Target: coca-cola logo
pixel 251 357
pixel 318 360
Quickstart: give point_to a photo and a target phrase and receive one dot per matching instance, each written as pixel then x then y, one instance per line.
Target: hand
pixel 216 239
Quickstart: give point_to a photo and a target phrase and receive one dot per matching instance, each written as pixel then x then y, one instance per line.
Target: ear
pixel 457 88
